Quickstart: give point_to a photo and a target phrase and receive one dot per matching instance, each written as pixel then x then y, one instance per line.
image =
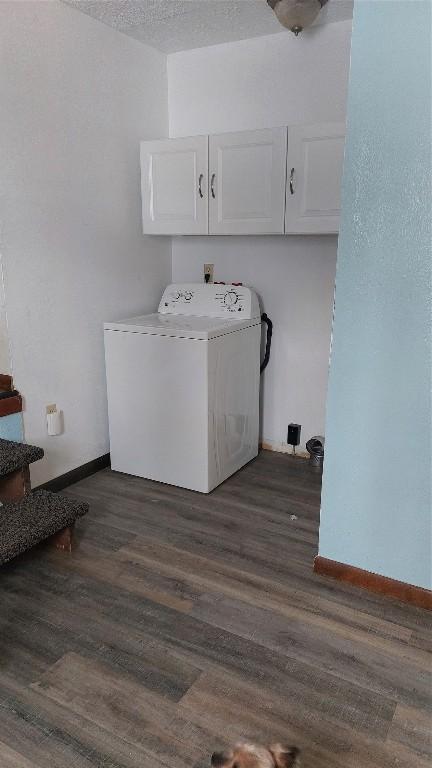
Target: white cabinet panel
pixel 247 182
pixel 314 174
pixel 174 186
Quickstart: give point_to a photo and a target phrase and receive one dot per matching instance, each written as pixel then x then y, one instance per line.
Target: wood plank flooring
pixel 184 622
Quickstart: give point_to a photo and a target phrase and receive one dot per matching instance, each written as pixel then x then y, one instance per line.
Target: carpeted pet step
pixel 14 456
pixel 38 516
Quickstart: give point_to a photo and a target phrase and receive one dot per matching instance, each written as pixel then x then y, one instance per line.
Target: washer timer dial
pixel 230 298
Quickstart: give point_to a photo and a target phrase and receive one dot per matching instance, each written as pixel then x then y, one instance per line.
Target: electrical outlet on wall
pixel 54 420
pixel 208 273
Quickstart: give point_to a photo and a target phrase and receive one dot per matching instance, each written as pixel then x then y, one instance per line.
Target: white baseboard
pixel 269 445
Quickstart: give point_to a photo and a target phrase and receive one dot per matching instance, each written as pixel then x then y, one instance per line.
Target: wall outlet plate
pixel 208 273
pixel 51 408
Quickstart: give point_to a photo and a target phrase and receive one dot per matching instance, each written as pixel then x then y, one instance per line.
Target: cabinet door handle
pixel 200 181
pixel 292 190
pixel 212 182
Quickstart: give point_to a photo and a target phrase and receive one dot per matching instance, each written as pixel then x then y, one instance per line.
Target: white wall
pixel 5 366
pixel 265 82
pixel 75 99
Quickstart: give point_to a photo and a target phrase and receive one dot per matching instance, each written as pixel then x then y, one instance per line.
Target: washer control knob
pixel 230 298
pixel 187 295
pixel 175 295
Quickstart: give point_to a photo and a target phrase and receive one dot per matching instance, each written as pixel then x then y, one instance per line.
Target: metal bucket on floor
pixel 315 449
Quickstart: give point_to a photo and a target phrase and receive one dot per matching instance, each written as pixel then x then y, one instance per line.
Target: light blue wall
pixel 11 427
pixel 376 503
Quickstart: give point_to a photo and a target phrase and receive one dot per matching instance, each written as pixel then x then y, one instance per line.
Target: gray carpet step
pixel 15 456
pixel 39 515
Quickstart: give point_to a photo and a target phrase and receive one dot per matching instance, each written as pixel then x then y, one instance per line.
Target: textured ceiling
pixel 176 25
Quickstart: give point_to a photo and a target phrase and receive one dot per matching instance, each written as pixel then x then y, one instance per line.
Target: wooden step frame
pixel 14 487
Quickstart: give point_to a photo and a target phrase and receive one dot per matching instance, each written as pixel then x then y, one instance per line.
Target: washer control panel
pixel 210 300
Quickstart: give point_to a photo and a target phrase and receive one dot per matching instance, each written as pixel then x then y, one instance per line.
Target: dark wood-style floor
pixel 183 622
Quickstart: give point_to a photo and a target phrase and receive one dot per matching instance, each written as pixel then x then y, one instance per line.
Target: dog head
pixel 253 756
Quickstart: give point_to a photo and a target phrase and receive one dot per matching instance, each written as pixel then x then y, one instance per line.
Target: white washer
pixel 183 386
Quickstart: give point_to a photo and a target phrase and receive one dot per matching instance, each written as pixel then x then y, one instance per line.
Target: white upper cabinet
pixel 314 174
pixel 174 185
pixel 244 183
pixel 247 182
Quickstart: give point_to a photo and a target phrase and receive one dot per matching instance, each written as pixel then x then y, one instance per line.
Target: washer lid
pixel 181 326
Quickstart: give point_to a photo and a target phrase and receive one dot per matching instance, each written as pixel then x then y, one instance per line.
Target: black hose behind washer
pixel 265 319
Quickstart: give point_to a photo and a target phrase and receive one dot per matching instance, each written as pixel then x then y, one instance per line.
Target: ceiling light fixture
pixel 296 14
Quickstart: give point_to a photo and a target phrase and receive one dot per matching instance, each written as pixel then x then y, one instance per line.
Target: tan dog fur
pixel 254 756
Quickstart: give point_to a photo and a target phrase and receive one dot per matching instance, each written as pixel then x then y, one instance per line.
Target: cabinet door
pixel 174 186
pixel 314 174
pixel 247 182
